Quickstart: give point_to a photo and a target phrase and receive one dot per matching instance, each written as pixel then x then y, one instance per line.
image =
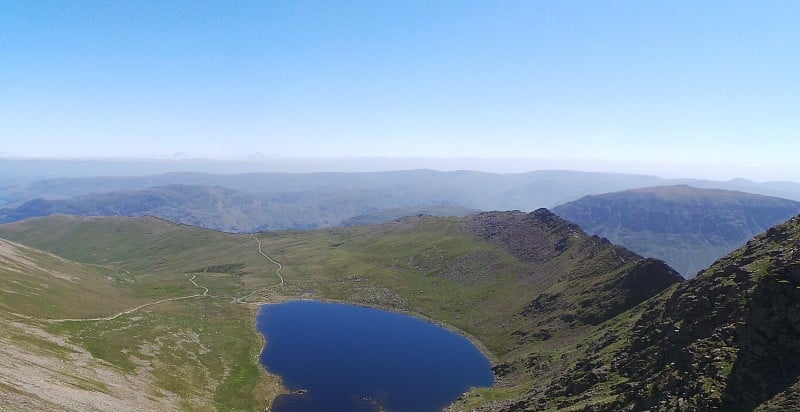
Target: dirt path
pixel 273 261
pixel 129 311
pixel 198 295
pixel 46 382
pixel 277 273
pixel 205 293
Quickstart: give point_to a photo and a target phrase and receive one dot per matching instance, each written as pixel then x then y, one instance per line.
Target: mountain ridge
pixel 737 348
pixel 685 226
pixel 274 201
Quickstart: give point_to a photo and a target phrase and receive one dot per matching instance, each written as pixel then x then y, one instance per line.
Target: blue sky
pixel 693 89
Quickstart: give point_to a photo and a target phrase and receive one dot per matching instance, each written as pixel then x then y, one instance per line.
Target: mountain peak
pixel 583 278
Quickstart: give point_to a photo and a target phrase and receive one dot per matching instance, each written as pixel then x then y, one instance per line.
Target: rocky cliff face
pixel 727 340
pixel 689 228
pixel 586 277
pixel 577 282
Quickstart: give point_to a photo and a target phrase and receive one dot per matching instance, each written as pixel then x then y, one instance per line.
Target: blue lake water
pixel 350 358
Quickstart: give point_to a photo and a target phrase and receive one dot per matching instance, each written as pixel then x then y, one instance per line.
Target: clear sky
pixel 675 88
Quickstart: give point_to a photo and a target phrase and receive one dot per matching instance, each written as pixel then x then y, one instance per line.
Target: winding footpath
pixel 198 295
pixel 129 311
pixel 278 270
pixel 277 273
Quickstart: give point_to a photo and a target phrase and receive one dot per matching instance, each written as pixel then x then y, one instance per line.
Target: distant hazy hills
pixel 224 209
pixel 477 190
pixel 687 227
pixel 266 201
pixel 261 201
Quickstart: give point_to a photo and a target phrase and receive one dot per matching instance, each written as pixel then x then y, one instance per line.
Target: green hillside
pixel 529 288
pixel 187 351
pixel 570 321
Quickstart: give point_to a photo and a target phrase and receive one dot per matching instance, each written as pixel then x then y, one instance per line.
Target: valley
pixel 432 267
pixel 399 206
pixel 559 312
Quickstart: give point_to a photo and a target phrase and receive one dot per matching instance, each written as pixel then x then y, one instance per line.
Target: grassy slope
pixel 200 351
pixel 39 369
pixel 151 257
pixel 429 266
pixel 39 284
pixel 374 217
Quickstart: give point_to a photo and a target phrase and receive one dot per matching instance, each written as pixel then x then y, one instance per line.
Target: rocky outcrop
pixel 582 279
pixel 727 340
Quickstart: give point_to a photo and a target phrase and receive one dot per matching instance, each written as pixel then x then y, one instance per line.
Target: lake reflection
pixel 349 358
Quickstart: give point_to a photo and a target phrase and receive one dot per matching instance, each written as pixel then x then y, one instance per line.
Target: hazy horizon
pixel 93 167
pixel 704 90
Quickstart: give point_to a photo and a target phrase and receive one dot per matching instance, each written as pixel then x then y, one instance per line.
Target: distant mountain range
pixel 228 210
pixel 479 190
pixel 211 207
pixel 262 201
pixel 687 227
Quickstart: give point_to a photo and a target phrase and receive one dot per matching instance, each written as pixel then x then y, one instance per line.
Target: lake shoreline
pixel 474 340
pixel 477 344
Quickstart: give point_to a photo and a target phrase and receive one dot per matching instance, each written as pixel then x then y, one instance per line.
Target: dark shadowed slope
pixel 586 275
pixel 728 339
pixel 687 227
